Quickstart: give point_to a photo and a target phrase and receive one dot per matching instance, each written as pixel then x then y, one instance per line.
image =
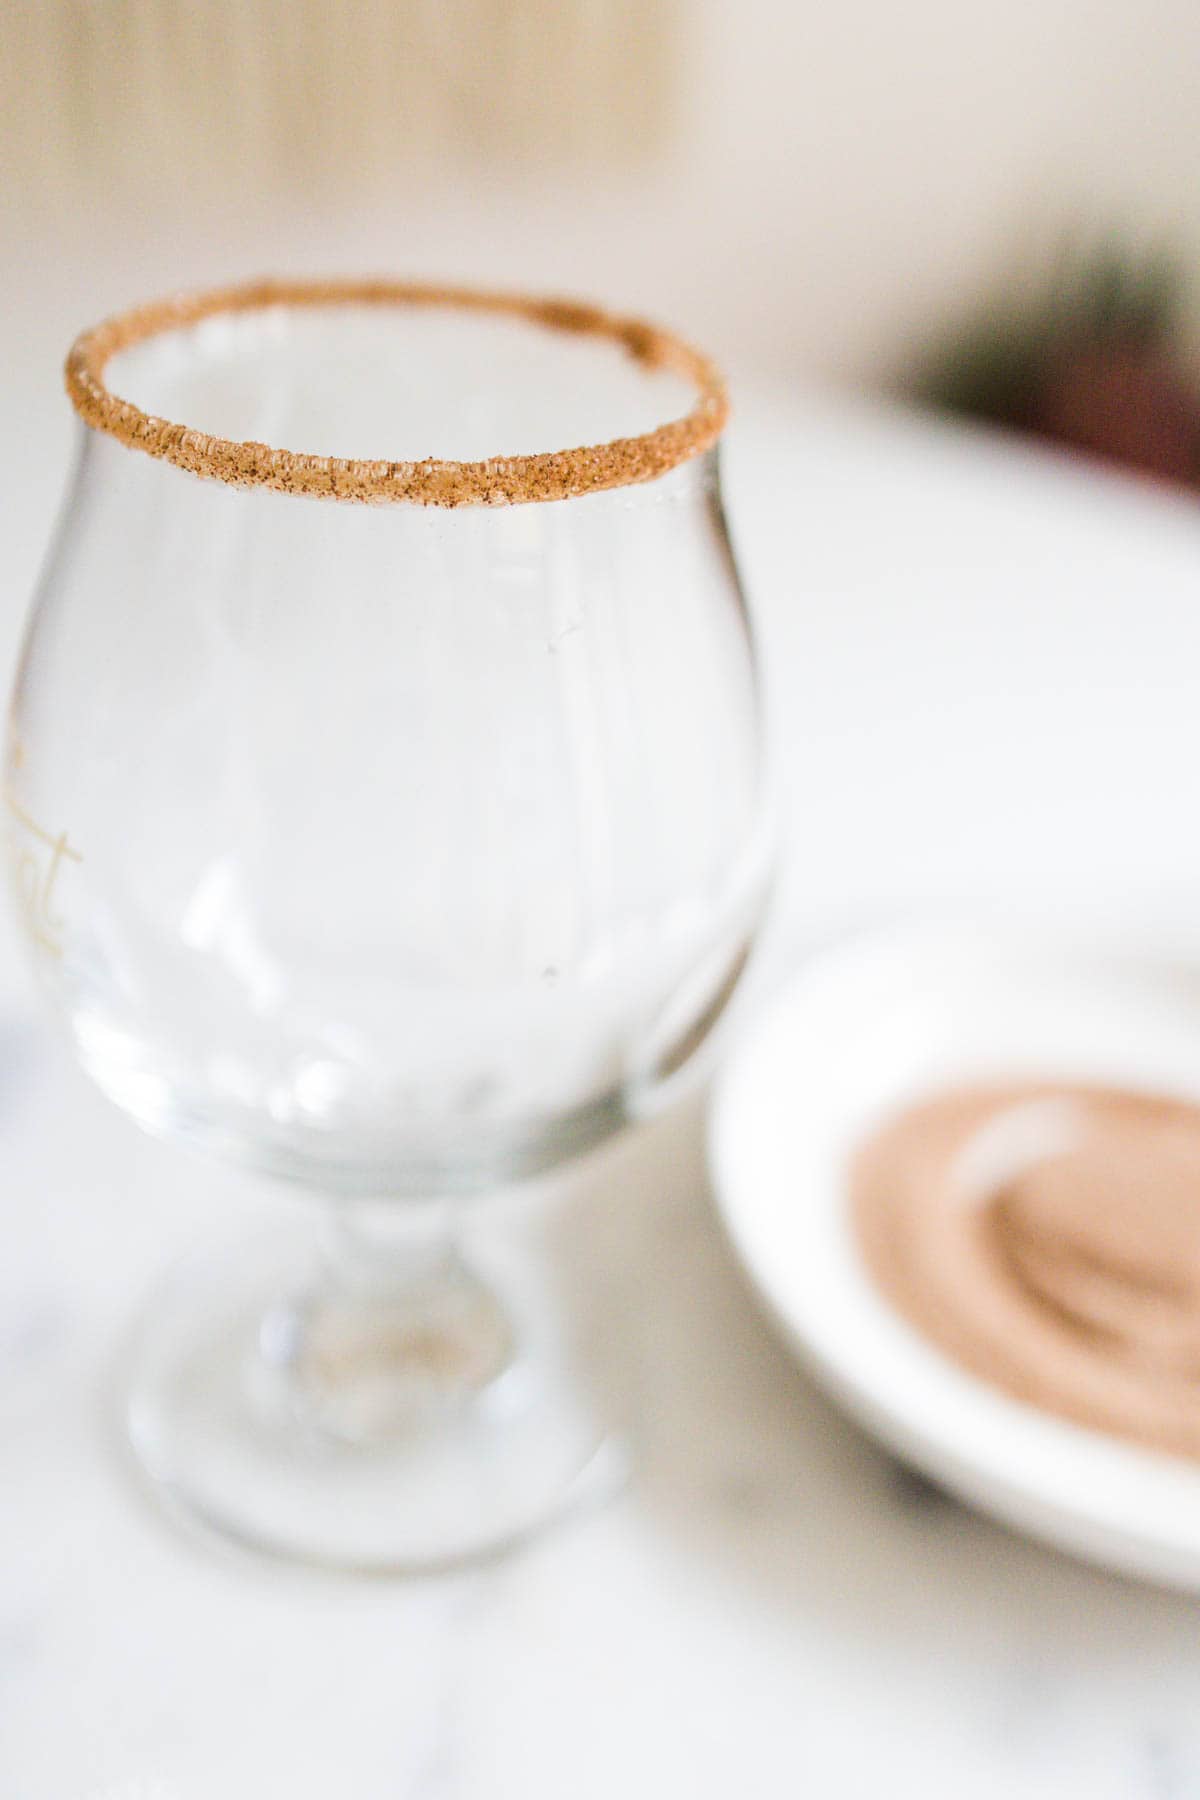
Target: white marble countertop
pixel 982 670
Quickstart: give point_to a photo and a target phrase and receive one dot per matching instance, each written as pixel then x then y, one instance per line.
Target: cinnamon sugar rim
pixel 497 481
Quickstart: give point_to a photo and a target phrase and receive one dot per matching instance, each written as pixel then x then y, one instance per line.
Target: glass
pixel 393 843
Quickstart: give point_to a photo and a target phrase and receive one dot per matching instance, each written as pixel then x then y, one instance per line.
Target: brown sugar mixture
pixel 497 481
pixel 1047 1237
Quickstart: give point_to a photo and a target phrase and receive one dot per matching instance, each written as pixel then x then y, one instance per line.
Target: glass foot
pixel 396 1428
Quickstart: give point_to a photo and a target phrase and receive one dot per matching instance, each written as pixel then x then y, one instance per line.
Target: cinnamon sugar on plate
pixel 1047 1238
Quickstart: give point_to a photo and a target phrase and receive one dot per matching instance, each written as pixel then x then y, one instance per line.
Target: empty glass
pixel 396 829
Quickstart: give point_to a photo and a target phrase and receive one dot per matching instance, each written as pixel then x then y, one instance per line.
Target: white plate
pixel 864 1028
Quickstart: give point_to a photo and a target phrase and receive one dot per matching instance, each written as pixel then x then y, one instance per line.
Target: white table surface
pixel 982 668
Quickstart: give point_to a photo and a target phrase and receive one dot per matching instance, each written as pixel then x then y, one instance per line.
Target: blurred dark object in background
pixel 1096 361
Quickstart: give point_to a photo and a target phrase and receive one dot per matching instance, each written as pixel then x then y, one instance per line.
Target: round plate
pixel 867 1027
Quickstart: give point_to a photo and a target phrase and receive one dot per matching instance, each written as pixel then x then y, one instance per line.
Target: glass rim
pixel 433 481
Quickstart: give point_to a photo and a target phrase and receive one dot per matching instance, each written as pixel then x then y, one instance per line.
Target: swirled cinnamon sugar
pixel 1047 1237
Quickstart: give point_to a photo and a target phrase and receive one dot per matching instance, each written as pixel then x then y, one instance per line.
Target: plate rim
pixel 1018 1499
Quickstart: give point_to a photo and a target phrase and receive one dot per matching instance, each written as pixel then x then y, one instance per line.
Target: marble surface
pixel 981 668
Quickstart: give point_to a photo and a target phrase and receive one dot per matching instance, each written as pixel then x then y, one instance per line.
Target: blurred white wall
pixel 804 184
pixel 807 188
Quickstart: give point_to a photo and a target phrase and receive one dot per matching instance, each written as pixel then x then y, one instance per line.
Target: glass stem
pixel 396 1327
pixel 378 1248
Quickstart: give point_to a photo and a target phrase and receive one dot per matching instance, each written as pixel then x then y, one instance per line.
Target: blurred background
pixel 810 186
pixel 821 192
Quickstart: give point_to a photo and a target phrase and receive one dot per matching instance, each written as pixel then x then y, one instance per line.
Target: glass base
pixel 391 1431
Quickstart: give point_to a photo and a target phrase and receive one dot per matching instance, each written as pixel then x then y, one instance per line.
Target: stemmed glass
pixel 395 828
